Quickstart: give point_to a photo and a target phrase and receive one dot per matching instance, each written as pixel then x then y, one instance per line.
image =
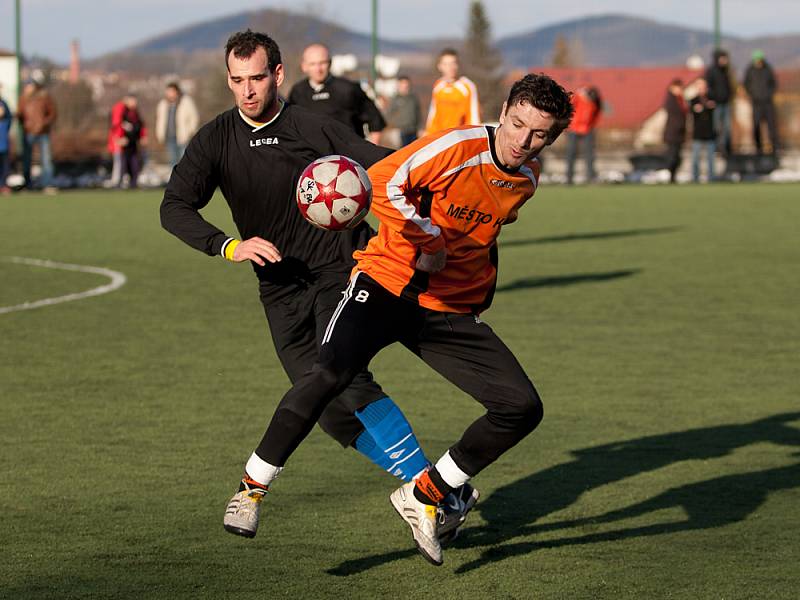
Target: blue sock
pixel 388 441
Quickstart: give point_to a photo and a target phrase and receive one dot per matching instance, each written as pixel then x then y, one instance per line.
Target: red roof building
pixel 630 94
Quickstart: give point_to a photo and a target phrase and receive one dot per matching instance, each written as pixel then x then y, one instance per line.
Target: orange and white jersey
pixel 444 190
pixel 453 104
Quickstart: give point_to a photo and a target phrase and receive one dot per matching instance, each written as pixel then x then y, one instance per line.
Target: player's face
pixel 524 132
pixel 316 63
pixel 448 66
pixel 254 86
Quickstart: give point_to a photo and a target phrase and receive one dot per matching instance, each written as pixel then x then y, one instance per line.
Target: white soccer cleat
pixel 241 515
pixel 423 520
pixel 454 510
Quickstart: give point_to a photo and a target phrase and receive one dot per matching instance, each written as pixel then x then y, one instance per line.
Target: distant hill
pixel 609 40
pixel 291 30
pixel 620 40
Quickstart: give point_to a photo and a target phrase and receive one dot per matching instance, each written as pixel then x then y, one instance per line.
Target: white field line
pixel 117 281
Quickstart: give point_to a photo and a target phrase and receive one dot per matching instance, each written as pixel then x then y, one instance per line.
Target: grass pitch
pixel 660 325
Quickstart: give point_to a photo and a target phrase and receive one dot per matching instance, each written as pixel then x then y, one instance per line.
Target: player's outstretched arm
pixel 256 249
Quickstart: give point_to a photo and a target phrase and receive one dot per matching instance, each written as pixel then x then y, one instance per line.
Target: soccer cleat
pixel 423 520
pixel 241 515
pixel 454 510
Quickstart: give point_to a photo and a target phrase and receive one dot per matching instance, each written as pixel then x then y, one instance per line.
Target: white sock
pixel 260 470
pixel 452 475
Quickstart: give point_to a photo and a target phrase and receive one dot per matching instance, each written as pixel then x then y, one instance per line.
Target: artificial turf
pixel 660 325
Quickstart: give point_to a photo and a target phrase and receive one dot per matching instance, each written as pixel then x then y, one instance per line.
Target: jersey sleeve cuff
pixel 223 245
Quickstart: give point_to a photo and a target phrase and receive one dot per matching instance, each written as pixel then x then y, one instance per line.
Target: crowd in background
pixel 706 104
pixel 701 109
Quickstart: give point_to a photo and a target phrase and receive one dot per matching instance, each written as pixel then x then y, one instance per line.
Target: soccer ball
pixel 334 193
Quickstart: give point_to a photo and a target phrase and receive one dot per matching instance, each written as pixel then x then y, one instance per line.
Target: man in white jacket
pixel 176 121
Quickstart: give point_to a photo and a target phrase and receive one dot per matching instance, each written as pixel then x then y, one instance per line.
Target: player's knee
pixel 522 410
pixel 532 410
pixel 330 381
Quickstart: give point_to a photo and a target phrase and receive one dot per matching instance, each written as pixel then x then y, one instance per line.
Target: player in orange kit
pixel 423 281
pixel 454 100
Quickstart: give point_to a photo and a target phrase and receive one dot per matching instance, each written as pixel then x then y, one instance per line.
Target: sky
pixel 102 26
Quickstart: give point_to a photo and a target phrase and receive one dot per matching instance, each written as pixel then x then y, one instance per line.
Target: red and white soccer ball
pixel 334 193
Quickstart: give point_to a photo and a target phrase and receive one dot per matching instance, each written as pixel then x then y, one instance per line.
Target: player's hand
pixel 258 250
pixel 432 263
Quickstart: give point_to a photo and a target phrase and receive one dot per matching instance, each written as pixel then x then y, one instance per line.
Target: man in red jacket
pixel 588 106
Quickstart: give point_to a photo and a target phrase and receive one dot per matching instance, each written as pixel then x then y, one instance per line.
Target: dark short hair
pixel 243 44
pixel 403 78
pixel 542 92
pixel 174 85
pixel 448 52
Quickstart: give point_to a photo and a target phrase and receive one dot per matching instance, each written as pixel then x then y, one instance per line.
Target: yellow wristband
pixel 230 248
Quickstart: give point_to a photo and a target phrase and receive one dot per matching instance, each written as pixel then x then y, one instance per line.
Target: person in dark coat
pixel 760 83
pixel 703 134
pixel 134 137
pixel 404 111
pixel 675 129
pixel 335 97
pixel 720 90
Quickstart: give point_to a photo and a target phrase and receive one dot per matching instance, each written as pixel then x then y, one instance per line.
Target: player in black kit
pixel 254 154
pixel 335 97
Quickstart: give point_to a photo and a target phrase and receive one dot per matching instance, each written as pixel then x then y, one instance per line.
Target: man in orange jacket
pixel 423 281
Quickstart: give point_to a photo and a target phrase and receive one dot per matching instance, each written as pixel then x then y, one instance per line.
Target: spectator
pixel 760 83
pixel 177 120
pixel 454 100
pixel 115 134
pixel 675 129
pixel 37 113
pixel 404 112
pixel 588 105
pixel 720 91
pixel 703 133
pixel 133 138
pixel 335 97
pixel 5 128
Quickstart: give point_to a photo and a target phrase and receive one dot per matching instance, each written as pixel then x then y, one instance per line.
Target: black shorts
pixel 297 324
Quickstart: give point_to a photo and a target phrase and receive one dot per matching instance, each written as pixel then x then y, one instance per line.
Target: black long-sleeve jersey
pixel 257 171
pixel 339 99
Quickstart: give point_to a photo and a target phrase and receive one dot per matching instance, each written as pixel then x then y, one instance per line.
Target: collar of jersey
pixel 258 126
pixel 490 134
pixel 318 87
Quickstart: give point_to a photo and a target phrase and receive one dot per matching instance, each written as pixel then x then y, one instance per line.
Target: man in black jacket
pixel 675 127
pixel 720 91
pixel 703 135
pixel 760 83
pixel 254 154
pixel 335 97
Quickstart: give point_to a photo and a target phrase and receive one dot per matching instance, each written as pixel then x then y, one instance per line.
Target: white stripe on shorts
pixel 346 295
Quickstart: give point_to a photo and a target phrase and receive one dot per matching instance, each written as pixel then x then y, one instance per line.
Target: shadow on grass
pixel 564 280
pixel 513 511
pixel 590 235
